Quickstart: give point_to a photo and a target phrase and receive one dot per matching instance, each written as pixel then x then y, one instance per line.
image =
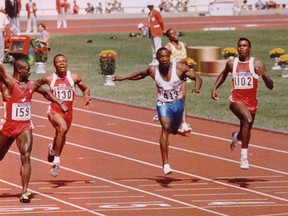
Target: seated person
pixel 43 40
pixel 76 8
pixel 143 29
pixel 89 9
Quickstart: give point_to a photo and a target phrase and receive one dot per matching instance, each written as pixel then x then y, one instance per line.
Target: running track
pixel 111 165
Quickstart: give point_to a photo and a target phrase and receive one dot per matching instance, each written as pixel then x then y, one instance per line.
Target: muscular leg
pixel 164 139
pixel 5 144
pixel 24 144
pixel 246 122
pixel 60 134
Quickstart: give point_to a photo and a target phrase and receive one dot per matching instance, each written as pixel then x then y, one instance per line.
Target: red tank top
pixel 63 89
pixel 18 108
pixel 244 82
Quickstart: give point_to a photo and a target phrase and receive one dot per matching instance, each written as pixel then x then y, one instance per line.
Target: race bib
pixel 21 111
pixel 170 95
pixel 64 93
pixel 243 81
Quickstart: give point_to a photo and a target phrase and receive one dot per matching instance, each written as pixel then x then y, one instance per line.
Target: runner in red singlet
pixel 246 71
pixel 62 84
pixel 17 91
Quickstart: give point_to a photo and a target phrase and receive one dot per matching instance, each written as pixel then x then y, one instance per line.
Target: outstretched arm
pixel 133 76
pixel 7 79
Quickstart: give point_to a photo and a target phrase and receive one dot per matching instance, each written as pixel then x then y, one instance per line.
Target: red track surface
pixel 111 165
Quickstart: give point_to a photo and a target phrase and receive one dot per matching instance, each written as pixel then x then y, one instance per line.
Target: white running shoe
pixel 55 170
pixel 185 128
pixel 244 164
pixel 167 169
pixel 156 118
pixel 235 142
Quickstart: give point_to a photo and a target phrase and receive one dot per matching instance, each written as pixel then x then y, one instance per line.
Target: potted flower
pixel 191 63
pixel 275 55
pixel 107 59
pixel 283 62
pixel 229 53
pixel 40 57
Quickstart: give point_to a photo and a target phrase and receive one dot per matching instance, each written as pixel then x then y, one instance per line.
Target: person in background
pixel 169 77
pixel 259 5
pixel 12 9
pixel 17 91
pixel 76 8
pixel 246 71
pixel 143 30
pixel 31 15
pixel 5 36
pixel 62 8
pixel 43 40
pixel 179 54
pixel 63 84
pixel 99 8
pixel 156 28
pixel 89 9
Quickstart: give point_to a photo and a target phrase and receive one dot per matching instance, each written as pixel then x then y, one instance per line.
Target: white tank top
pixel 168 91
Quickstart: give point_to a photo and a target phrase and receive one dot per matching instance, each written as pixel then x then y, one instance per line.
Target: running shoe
pixel 167 169
pixel 244 164
pixel 25 197
pixel 185 128
pixel 156 118
pixel 235 142
pixel 55 170
pixel 50 156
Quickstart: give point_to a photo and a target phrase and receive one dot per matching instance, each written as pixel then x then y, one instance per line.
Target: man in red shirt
pixel 156 28
pixel 246 71
pixel 16 125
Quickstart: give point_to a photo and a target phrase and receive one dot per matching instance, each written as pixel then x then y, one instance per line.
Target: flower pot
pixel 108 80
pixel 40 67
pixel 276 66
pixel 285 71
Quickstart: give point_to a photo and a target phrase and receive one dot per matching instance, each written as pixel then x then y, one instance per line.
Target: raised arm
pixel 7 79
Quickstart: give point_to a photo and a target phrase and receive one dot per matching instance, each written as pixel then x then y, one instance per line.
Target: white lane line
pixel 157 166
pixel 51 197
pixel 157 125
pixel 106 197
pixel 117 184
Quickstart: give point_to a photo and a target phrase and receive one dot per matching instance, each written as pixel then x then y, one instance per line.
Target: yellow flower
pixel 107 62
pixel 191 63
pixel 229 51
pixel 108 54
pixel 276 53
pixel 283 60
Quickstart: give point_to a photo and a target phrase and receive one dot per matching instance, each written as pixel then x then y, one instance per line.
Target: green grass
pixel 135 54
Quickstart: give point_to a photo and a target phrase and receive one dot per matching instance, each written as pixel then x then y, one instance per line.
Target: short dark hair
pixel 245 39
pixel 58 56
pixel 163 48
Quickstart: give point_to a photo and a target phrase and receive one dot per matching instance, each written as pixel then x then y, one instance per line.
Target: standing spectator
pixel 76 8
pixel 156 27
pixel 31 15
pixel 109 7
pixel 17 91
pixel 5 36
pixel 11 8
pixel 62 8
pixel 43 40
pixel 89 9
pixel 99 8
pixel 259 5
pixel 19 4
pixel 246 72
